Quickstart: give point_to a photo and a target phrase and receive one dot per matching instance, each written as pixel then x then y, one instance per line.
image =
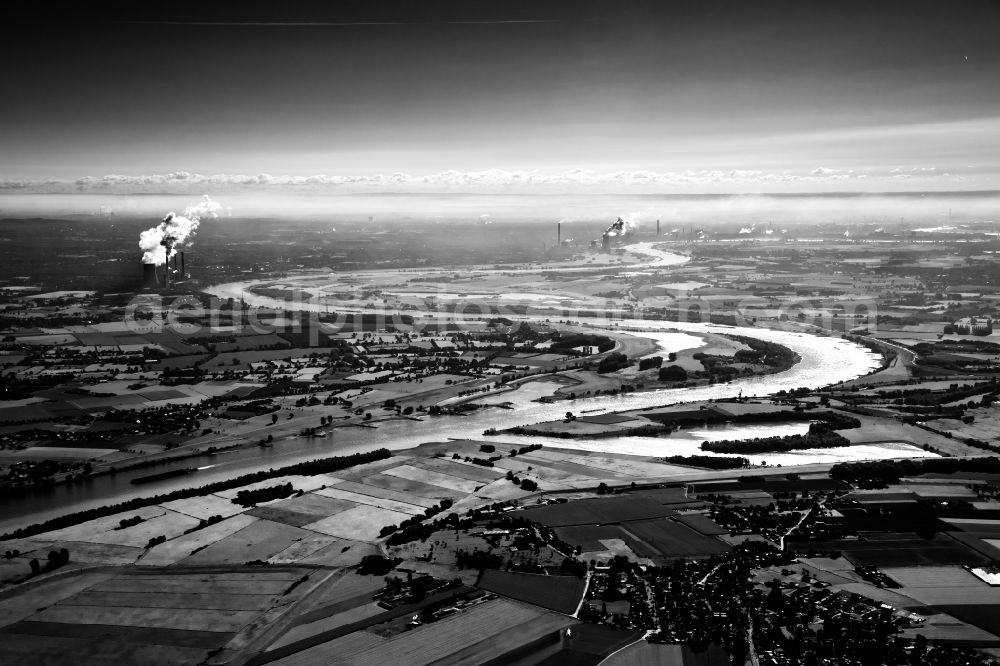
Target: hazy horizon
pixel 550 96
pixel 702 210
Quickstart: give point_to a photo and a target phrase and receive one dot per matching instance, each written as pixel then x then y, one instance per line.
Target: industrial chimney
pixel 558 234
pixel 657 227
pixel 168 245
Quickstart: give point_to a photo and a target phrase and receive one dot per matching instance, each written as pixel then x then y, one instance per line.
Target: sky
pixel 581 96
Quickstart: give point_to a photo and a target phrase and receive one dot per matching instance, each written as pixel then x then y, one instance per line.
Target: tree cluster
pixel 258 495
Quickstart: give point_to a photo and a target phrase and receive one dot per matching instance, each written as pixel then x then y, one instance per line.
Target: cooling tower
pixel 149 280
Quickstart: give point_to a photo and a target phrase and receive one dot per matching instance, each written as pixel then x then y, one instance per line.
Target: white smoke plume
pixel 162 241
pixel 624 225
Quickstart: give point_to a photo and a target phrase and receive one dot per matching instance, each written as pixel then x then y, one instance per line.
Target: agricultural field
pixel 572 469
pixel 943 491
pixel 544 472
pixel 669 539
pixel 585 644
pixel 259 540
pixel 588 537
pixel 146 618
pixel 175 550
pixel 167 523
pixel 84 552
pixel 346 599
pixel 87 530
pixel 299 511
pixel 347 499
pixel 409 486
pixel 702 524
pixel 649 654
pixel 983 528
pixel 461 469
pixel 628 467
pixel 204 506
pixel 361 523
pixel 385 493
pixel 362 610
pixel 339 553
pixel 912 551
pixel 558 593
pixel 983 616
pixel 447 481
pixel 598 510
pixel 477 634
pixel 676 497
pixel 769 485
pixel 935 577
pixel 944 628
pixel 306 547
pixel 943 585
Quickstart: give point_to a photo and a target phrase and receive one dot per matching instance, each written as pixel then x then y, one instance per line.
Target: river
pixel 824 361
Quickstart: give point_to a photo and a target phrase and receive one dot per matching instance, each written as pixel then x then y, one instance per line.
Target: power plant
pixel 621 227
pixel 161 244
pixel 173 272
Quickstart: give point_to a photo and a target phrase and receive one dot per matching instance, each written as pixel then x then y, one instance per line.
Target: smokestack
pixel 149 280
pixel 558 234
pixel 182 265
pixel 606 243
pixel 168 243
pixel 657 227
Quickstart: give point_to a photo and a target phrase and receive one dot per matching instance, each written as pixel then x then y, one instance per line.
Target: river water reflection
pixel 824 361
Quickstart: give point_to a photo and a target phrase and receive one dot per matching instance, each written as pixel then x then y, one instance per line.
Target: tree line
pixel 307 468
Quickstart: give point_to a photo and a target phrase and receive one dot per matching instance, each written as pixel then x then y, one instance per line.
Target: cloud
pixel 486 181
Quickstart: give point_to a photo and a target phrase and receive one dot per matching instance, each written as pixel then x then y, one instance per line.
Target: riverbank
pixel 824 360
pixel 313 467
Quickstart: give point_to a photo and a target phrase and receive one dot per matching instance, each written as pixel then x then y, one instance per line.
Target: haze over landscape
pixel 536 333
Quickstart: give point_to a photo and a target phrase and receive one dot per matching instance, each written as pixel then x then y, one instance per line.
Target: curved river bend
pixel 824 361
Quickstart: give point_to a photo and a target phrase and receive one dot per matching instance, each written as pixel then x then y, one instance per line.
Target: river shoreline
pixel 824 361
